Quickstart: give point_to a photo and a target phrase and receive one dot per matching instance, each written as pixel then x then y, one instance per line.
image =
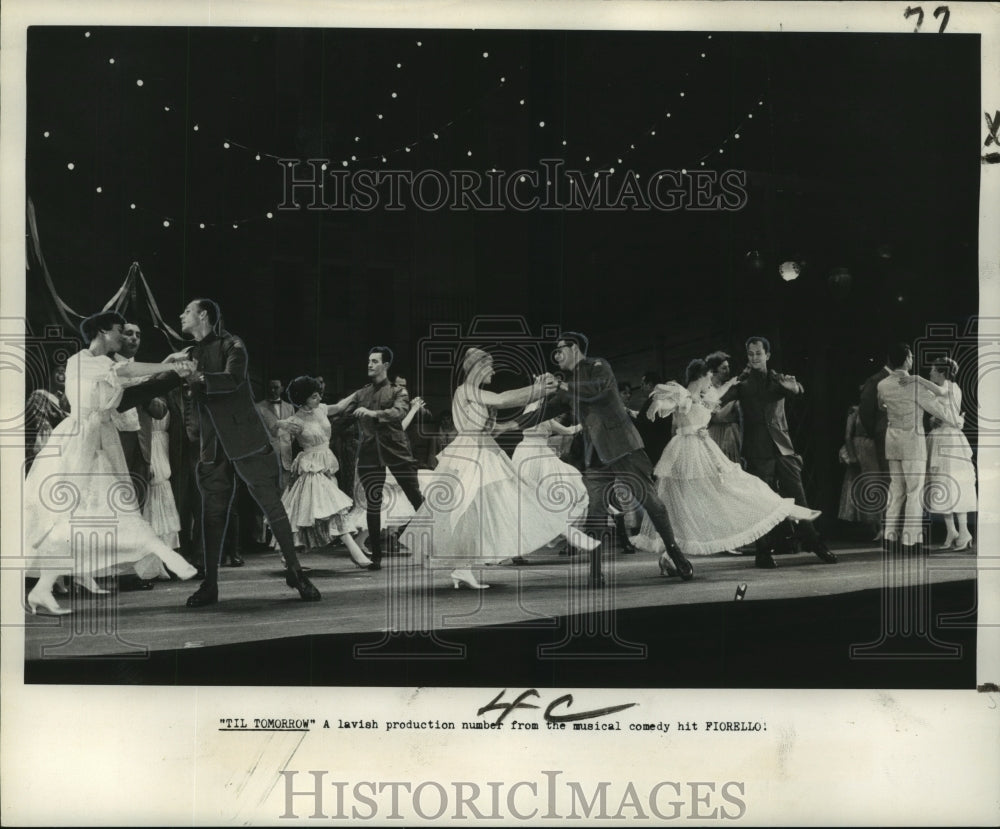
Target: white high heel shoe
pixel 459 577
pixel 364 562
pixel 46 601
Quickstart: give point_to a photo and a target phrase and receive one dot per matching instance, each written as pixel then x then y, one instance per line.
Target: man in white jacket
pixel 905 398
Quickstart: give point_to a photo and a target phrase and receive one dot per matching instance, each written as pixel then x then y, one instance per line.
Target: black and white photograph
pixel 381 375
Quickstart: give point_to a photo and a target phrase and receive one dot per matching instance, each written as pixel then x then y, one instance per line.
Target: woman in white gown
pixel 539 466
pixel 714 505
pixel 951 478
pixel 477 508
pixel 317 508
pixel 82 472
pixel 161 509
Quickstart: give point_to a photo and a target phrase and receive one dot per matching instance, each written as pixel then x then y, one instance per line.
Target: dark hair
pixel 947 366
pixel 576 337
pixel 896 354
pixel 652 378
pixel 762 340
pixel 716 359
pixel 695 370
pixel 102 321
pixel 384 350
pixel 210 307
pixel 301 389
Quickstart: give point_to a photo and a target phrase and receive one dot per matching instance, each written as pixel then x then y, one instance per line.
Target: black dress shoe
pixel 823 553
pixel 628 548
pixel 298 580
pixel 765 561
pixel 684 567
pixel 375 565
pixel 235 560
pixel 206 594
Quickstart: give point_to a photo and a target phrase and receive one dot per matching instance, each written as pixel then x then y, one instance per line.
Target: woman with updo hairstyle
pixel 950 489
pixel 714 505
pixel 82 471
pixel 316 507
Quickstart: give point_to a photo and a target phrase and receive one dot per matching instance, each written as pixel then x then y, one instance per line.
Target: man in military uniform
pixel 233 441
pixel 380 408
pixel 613 450
pixel 767 446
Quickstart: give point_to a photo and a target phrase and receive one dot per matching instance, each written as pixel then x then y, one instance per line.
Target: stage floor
pixel 256 606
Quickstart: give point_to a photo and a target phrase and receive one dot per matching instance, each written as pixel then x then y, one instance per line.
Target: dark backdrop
pixel 862 154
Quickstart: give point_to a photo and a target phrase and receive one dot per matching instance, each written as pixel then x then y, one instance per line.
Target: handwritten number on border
pixel 919 12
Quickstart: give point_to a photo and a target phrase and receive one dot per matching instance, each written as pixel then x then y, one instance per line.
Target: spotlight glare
pixel 789 271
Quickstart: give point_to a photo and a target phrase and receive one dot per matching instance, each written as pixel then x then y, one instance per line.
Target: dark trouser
pixel 217 482
pixel 189 505
pixel 608 484
pixel 138 468
pixel 373 481
pixel 783 473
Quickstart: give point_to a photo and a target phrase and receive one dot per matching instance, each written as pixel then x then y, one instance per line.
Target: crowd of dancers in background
pixel 704 466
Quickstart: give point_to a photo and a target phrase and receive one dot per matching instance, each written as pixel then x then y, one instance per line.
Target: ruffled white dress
pixel 316 506
pixel 477 510
pixel 81 515
pixel 713 504
pixel 951 478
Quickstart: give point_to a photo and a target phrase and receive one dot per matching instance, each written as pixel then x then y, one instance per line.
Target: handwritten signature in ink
pixel 506 708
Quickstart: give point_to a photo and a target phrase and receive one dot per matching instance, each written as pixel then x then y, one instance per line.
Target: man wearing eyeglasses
pixel 613 450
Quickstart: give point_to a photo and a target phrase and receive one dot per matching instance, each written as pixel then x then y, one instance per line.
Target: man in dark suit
pixel 613 450
pixel 184 448
pixel 767 446
pixel 379 409
pixel 233 441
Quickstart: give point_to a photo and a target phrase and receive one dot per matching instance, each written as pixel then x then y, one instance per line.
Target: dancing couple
pixel 490 499
pixel 714 504
pixel 84 455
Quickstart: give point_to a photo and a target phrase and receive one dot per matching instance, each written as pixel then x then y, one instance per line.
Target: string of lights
pixel 355 157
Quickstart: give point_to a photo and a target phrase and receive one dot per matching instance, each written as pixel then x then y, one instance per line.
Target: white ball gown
pixel 713 504
pixel 316 506
pixel 555 482
pixel 81 516
pixel 477 510
pixel 951 478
